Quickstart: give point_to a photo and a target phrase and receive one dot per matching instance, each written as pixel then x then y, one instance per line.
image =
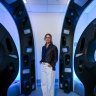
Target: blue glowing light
pixel 18 76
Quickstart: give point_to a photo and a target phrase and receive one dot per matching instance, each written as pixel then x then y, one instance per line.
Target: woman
pixel 48 63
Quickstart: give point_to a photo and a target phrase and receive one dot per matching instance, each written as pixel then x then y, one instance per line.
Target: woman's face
pixel 48 39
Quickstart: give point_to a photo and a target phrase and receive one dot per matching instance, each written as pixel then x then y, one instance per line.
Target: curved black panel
pixel 84 62
pixel 9 61
pixel 18 12
pixel 74 11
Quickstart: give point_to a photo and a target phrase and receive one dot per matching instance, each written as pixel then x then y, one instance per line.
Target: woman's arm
pixel 55 57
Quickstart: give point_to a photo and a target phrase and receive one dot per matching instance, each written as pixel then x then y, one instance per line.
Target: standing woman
pixel 48 63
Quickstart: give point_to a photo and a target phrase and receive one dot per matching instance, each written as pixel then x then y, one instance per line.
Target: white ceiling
pixel 46 5
pixel 46 2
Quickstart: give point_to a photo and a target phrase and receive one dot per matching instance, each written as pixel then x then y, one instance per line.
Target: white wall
pixel 43 23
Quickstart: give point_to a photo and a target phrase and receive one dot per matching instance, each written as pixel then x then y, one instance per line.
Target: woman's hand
pixel 49 65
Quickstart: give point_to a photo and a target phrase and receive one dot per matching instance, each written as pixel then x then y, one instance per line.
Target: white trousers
pixel 47 80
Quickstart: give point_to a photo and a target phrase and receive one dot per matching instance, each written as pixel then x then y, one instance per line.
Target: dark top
pixel 50 55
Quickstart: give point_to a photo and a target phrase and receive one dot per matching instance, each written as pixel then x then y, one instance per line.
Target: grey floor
pixel 58 92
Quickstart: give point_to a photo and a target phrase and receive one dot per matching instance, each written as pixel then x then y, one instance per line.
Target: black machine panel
pixel 9 60
pixel 75 9
pixel 18 12
pixel 84 61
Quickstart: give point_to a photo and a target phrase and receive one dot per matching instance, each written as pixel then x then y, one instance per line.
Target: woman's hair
pixel 49 35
